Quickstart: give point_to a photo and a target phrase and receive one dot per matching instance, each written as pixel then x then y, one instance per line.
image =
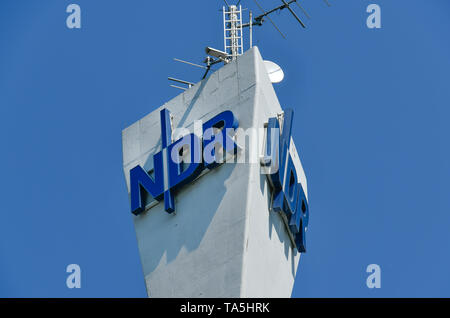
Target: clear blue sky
pixel 371 107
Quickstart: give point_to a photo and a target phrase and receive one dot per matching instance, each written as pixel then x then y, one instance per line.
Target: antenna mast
pixel 232 31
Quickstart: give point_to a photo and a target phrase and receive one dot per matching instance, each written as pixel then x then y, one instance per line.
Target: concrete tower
pixel 224 239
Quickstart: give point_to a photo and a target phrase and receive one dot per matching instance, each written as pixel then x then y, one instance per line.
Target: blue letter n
pixel 140 181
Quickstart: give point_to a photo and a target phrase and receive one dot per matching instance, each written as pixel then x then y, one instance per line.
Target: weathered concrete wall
pixel 222 242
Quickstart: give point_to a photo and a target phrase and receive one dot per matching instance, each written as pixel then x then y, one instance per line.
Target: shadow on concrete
pixel 276 222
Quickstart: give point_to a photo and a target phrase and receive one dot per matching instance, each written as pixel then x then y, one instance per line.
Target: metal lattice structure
pixel 232 29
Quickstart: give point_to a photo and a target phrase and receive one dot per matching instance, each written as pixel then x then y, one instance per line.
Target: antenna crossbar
pixel 293 13
pixel 259 19
pixel 189 63
pixel 189 84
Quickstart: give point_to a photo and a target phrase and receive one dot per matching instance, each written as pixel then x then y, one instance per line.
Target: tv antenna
pixel 234 37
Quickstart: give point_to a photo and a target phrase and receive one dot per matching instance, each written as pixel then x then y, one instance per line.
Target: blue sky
pixel 371 126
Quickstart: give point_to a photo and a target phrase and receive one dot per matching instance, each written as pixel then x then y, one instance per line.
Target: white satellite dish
pixel 274 71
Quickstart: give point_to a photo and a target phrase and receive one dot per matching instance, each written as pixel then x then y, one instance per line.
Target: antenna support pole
pixel 251 29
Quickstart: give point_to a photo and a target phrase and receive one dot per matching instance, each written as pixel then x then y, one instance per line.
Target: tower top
pixel 233 35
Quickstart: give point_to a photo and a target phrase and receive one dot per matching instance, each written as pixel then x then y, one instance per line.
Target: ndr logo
pixel 180 162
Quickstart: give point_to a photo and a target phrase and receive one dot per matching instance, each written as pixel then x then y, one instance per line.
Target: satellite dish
pixel 274 71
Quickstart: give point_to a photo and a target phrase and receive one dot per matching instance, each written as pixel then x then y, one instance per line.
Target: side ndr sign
pixel 172 169
pixel 288 196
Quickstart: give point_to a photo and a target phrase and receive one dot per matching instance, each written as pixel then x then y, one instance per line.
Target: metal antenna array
pixel 234 37
pixel 260 19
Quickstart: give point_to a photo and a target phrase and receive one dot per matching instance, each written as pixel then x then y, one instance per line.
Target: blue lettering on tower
pixel 170 171
pixel 288 194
